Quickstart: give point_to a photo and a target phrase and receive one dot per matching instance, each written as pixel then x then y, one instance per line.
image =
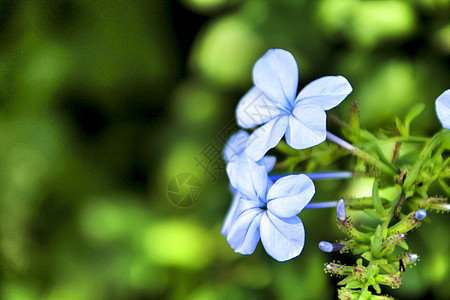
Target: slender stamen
pixel 317 176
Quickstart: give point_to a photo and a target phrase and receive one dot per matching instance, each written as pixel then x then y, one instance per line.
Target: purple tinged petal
pixel 289 195
pixel 255 108
pixel 283 239
pixel 276 74
pixel 266 137
pixel 244 234
pixel 248 177
pixel 307 127
pixel 443 109
pixel 235 145
pixel 326 92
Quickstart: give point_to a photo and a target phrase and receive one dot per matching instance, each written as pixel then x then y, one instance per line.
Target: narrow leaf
pixel 373 213
pixel 400 127
pixel 412 114
pixel 376 198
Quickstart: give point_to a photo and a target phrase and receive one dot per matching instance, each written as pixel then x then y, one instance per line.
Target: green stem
pixel 363 155
pixel 429 147
pixel 402 139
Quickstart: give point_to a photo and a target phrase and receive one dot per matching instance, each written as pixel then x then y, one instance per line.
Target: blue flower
pixel 234 151
pixel 443 109
pixel 235 147
pixel 267 211
pixel 273 102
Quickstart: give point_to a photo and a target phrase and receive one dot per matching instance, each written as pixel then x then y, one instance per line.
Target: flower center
pixel 263 207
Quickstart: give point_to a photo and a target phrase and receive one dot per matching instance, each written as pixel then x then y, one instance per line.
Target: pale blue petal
pixel 248 177
pixel 276 74
pixel 255 109
pixel 266 137
pixel 289 195
pixel 307 127
pixel 269 162
pixel 244 234
pixel 283 239
pixel 443 109
pixel 238 205
pixel 326 92
pixel 235 145
pixel 232 215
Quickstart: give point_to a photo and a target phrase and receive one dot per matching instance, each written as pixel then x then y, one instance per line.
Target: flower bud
pixel 409 222
pixel 411 258
pixel 329 247
pixel 338 269
pixel 436 204
pixel 420 214
pixel 394 281
pixel 391 242
pixel 340 210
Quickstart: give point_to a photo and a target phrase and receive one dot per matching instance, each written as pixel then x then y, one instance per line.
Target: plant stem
pixel 357 203
pixel 361 154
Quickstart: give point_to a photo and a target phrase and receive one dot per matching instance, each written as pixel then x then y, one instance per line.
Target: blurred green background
pixel 103 103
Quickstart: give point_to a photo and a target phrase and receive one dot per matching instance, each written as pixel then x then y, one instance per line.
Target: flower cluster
pixel 262 209
pixel 266 207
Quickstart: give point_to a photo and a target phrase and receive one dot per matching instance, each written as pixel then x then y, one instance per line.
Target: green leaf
pixel 346 280
pixel 404 245
pixel 412 114
pixel 354 284
pixel 361 248
pixel 367 228
pixel 381 261
pixel 376 287
pixel 367 255
pixel 381 155
pixel 388 268
pixel 400 127
pixel 376 198
pixel 377 241
pixel 373 213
